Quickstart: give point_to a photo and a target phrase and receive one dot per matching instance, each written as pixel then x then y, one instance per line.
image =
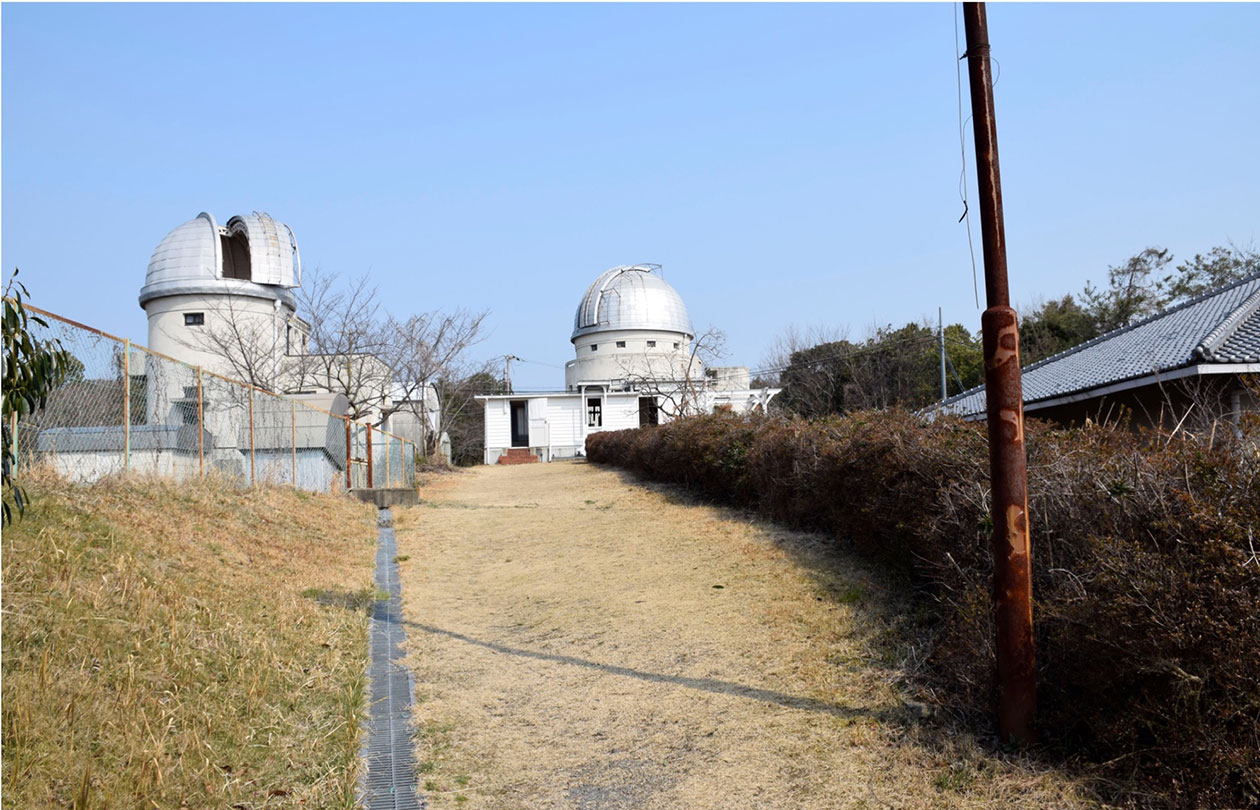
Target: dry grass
pixel 583 641
pixel 188 645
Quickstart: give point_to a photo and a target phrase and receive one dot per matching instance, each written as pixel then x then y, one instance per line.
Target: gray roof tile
pixel 1222 326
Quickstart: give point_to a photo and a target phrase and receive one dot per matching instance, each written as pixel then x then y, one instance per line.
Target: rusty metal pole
pixel 1012 576
pixel 349 479
pixel 369 456
pixel 201 429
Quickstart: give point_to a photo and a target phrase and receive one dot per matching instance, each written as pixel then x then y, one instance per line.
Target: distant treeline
pixel 901 366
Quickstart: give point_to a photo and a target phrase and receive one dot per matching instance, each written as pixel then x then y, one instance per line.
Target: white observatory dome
pixel 631 297
pixel 252 255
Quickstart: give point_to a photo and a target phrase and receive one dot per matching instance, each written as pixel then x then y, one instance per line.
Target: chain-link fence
pixel 124 408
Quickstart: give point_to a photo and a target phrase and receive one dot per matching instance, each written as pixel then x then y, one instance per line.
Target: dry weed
pixel 165 645
pixel 583 641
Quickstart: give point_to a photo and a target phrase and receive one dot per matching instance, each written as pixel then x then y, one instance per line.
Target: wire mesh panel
pixel 410 456
pixel 275 452
pixel 124 408
pixel 83 430
pixel 358 455
pixel 393 461
pixel 163 438
pixel 225 410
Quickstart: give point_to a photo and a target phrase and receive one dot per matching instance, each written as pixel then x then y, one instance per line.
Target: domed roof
pixel 631 297
pixel 190 251
pixel 261 259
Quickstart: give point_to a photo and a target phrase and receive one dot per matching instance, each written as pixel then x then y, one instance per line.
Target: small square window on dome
pixel 651 344
pixel 194 319
pixel 621 344
pixel 594 347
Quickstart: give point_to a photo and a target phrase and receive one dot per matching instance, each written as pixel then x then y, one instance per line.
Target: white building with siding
pixel 635 365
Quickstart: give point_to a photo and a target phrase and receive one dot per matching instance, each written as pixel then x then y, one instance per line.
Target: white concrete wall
pixel 635 360
pixel 741 401
pixel 256 318
pixel 728 378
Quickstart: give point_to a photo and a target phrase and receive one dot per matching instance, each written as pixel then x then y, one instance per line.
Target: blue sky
pixel 787 164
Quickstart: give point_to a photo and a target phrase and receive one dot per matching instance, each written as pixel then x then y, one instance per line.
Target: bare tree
pixel 813 381
pixel 423 350
pixel 247 343
pixel 342 352
pixel 678 388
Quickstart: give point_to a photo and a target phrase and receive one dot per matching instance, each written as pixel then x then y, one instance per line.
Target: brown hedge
pixel 1146 572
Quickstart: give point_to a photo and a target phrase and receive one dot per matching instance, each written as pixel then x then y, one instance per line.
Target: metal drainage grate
pixel 390 780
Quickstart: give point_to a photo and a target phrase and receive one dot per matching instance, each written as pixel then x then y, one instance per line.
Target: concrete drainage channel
pixel 390 780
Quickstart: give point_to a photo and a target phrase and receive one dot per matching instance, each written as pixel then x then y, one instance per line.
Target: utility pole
pixel 1012 575
pixel 940 326
pixel 507 370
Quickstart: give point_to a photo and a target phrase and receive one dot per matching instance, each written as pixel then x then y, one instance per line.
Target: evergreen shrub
pixel 1146 569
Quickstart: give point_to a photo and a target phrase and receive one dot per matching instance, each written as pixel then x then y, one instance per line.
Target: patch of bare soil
pixel 582 641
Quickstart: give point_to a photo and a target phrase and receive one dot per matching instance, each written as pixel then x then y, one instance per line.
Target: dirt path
pixel 581 641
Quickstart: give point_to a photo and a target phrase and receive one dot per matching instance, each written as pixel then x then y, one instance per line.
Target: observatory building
pixel 222 297
pixel 635 364
pixel 204 279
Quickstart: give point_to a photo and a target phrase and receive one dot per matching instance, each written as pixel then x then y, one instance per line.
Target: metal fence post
pixel 127 405
pixel 387 470
pixel 201 429
pixel 251 437
pixel 293 422
pixel 349 479
pixel 369 455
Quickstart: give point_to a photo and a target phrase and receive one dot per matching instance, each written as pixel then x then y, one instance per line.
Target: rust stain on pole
pixel 369 456
pixel 1012 580
pixel 201 429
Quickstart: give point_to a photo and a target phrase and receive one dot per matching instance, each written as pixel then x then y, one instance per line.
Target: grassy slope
pixel 168 646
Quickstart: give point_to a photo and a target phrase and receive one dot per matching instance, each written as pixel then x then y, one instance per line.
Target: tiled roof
pixel 1220 327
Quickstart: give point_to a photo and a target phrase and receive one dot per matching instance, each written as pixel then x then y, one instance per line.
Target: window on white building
pixel 194 319
pixel 621 344
pixel 651 344
pixel 594 347
pixel 594 412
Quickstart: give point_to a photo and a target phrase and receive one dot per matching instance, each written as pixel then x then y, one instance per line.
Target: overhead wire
pixel 962 148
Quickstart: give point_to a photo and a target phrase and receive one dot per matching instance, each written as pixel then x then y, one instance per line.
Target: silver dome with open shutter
pixel 253 255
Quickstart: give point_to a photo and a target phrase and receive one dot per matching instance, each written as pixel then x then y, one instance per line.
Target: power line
pixel 962 148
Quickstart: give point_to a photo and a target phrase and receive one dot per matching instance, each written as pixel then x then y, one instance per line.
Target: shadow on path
pixel 705 684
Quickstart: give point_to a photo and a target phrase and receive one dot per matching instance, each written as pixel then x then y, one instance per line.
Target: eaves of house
pixel 1215 333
